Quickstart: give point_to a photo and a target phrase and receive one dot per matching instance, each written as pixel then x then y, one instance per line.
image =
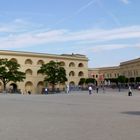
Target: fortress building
pixel 130 69
pixel 76 66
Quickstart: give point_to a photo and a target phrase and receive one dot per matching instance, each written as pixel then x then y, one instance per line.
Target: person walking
pixel 97 89
pixel 67 88
pixel 90 90
pixel 129 91
pixel 46 90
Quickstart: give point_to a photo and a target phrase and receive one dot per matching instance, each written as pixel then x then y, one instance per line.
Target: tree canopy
pixel 90 81
pixel 122 79
pixel 82 81
pixel 87 81
pixel 137 79
pixel 55 73
pixel 9 71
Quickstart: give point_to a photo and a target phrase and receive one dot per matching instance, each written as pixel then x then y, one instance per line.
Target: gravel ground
pixel 76 116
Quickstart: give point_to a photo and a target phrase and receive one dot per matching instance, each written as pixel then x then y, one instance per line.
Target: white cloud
pixel 17 26
pixel 107 47
pixel 125 1
pixel 27 39
pixel 4 29
pixel 137 45
pixel 23 36
pixel 99 48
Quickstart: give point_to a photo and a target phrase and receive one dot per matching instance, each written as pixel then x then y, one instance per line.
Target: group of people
pixel 45 90
pixel 90 89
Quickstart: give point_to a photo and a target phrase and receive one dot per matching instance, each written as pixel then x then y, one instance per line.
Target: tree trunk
pixel 4 86
pixel 53 88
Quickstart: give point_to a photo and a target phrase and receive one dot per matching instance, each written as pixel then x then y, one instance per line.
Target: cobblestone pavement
pixel 75 116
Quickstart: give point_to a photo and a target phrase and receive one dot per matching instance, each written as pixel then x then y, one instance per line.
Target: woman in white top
pixel 90 89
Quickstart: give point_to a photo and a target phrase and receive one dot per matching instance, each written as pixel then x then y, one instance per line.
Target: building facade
pixel 76 67
pixel 129 69
pixel 100 74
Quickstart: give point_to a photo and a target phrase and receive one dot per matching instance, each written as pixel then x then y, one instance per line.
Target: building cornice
pixel 44 55
pixel 130 61
pixel 106 68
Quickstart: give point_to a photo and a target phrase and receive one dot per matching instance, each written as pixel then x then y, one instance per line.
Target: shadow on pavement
pixel 132 112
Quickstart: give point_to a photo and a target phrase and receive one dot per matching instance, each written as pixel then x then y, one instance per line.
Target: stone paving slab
pixel 75 116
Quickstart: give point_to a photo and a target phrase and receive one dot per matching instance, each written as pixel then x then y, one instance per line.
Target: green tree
pixel 137 79
pixel 9 71
pixel 122 79
pixel 131 79
pixel 113 80
pixel 55 73
pixel 90 81
pixel 82 81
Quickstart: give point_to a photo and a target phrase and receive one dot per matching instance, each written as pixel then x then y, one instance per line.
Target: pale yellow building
pixel 100 74
pixel 76 67
pixel 129 69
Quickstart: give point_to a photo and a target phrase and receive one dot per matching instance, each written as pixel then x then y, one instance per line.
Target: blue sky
pixel 106 31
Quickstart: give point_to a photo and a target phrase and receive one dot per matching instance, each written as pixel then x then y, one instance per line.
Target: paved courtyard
pixel 76 116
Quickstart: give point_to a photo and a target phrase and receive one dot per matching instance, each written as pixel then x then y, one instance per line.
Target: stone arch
pixel 62 63
pixel 29 86
pixel 80 74
pixel 72 73
pixel 28 62
pixel 51 61
pixel 72 83
pixel 29 72
pixel 40 62
pixel 39 73
pixel 71 64
pixel 13 88
pixel 13 60
pixel 40 86
pixel 80 65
